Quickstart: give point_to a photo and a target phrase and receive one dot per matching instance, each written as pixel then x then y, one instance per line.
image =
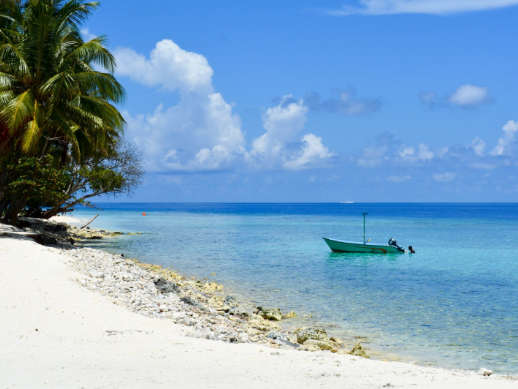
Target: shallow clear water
pixel 452 304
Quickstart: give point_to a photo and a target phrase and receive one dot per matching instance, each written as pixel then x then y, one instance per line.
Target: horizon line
pixel 303 202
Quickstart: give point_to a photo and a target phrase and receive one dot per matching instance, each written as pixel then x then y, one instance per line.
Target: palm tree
pixel 57 96
pixel 56 90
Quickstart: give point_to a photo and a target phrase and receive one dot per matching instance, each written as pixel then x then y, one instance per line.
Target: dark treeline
pixel 60 132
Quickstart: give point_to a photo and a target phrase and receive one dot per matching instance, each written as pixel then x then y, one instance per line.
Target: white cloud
pixel 478 146
pixel 391 161
pixel 407 152
pixel 422 153
pixel 505 141
pixel 434 7
pixel 465 96
pixel 444 177
pixel 282 123
pixel 168 66
pixel 312 150
pixel 192 135
pixel 469 95
pixel 200 132
pixel 280 144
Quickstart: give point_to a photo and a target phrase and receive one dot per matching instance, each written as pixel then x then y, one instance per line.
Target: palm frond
pixel 74 12
pixel 50 83
pixel 103 85
pixel 5 98
pixel 94 52
pixel 18 111
pixel 103 109
pixel 13 58
pixel 30 135
pixel 52 86
pixel 6 81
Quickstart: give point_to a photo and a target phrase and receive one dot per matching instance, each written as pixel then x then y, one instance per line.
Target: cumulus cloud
pixel 388 159
pixel 421 153
pixel 282 123
pixel 507 139
pixel 312 150
pixel 478 146
pixel 465 96
pixel 346 103
pixel 168 66
pixel 190 136
pixel 389 150
pixel 433 7
pixel 281 143
pixel 200 132
pixel 469 95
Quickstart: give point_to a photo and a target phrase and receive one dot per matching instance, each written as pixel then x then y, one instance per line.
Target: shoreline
pixel 185 317
pixel 204 299
pixel 347 342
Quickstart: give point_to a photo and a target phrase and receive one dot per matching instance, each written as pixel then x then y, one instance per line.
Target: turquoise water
pixel 452 304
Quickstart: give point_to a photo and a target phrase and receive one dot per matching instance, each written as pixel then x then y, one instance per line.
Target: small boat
pixel 356 247
pixel 338 246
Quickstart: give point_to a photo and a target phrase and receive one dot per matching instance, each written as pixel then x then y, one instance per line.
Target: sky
pixel 328 101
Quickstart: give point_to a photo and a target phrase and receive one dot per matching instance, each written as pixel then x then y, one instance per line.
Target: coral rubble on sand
pixel 201 305
pixel 156 291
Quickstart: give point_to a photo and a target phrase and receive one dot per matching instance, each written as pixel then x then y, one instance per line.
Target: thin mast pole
pixel 364 214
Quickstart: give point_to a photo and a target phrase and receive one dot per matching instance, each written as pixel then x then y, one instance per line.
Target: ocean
pixel 452 304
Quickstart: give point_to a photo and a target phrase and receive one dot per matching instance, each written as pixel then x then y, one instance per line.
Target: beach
pixel 263 195
pixel 446 306
pixel 58 333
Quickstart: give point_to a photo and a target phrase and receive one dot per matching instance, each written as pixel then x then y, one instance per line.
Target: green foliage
pixel 43 187
pixel 51 91
pixel 38 181
pixel 60 132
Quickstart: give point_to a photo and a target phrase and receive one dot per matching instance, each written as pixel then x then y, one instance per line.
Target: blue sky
pixel 370 100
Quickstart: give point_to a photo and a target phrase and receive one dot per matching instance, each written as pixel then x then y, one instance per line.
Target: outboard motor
pixel 392 242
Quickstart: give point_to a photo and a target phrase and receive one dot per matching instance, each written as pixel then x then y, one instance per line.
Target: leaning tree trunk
pixel 13 210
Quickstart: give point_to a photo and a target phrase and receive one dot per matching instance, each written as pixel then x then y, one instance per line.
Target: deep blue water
pixel 453 304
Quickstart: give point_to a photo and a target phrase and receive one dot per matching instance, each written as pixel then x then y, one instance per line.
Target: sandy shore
pixel 57 333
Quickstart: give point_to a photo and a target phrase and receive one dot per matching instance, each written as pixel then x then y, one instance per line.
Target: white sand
pixel 56 334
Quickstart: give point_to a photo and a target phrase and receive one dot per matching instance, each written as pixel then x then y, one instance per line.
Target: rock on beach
pixel 158 292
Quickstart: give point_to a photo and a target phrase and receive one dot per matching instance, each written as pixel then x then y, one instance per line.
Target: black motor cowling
pixel 393 242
